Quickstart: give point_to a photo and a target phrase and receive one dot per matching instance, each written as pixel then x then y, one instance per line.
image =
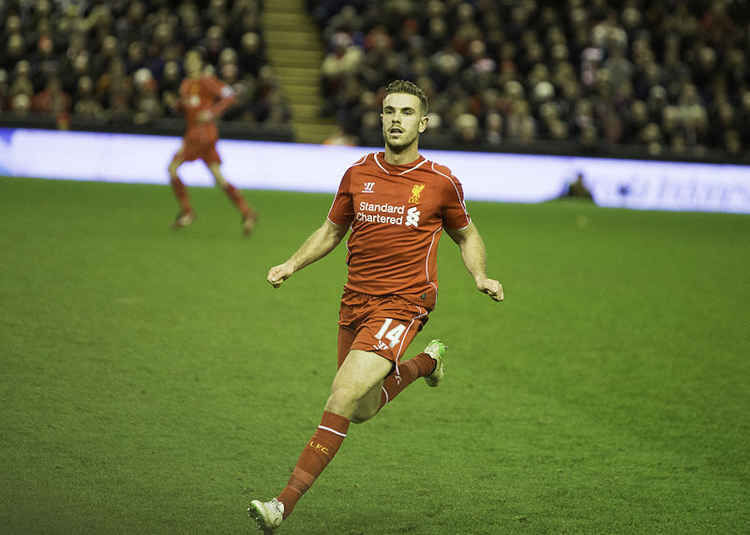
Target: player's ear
pixel 423 124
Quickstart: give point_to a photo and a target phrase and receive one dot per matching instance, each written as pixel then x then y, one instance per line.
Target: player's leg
pixel 360 372
pixel 392 327
pixel 429 364
pixel 248 214
pixel 185 215
pixel 369 405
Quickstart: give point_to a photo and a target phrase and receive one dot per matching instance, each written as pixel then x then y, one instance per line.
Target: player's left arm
pixel 474 255
pixel 225 95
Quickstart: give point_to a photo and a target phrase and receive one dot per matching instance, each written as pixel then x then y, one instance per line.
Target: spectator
pixel 625 62
pixel 119 60
pixel 53 101
pixel 87 106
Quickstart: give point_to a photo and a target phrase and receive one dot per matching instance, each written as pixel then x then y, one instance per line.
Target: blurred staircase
pixel 296 52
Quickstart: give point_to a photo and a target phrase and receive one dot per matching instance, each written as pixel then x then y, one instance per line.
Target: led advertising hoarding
pixel 652 185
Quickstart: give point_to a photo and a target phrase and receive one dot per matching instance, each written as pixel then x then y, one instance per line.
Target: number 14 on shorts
pixel 393 335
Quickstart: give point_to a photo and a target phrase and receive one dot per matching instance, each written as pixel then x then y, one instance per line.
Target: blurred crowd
pixel 668 77
pixel 121 61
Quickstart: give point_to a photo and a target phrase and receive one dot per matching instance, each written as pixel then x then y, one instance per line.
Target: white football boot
pixel 437 350
pixel 268 515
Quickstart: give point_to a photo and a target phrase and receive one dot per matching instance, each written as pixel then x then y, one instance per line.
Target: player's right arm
pixel 320 243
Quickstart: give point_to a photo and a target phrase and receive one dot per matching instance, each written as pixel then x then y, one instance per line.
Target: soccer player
pixel 397 204
pixel 203 99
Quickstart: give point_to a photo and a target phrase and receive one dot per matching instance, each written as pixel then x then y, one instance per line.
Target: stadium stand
pixel 117 65
pixel 629 77
pixel 601 77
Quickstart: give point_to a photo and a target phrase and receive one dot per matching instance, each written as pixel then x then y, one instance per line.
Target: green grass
pixel 152 382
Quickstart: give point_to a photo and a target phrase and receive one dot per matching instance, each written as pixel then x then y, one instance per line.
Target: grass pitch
pixel 152 382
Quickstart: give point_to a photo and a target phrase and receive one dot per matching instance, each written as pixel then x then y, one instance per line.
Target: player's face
pixel 193 64
pixel 402 120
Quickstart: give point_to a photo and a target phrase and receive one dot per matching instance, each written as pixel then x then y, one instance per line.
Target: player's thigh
pixel 215 168
pixel 360 373
pixel 346 337
pixel 178 159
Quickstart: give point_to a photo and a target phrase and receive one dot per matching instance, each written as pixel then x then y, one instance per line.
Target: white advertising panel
pixel 635 184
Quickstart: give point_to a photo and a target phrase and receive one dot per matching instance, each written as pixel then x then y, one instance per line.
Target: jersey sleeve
pixel 455 215
pixel 342 208
pixel 223 93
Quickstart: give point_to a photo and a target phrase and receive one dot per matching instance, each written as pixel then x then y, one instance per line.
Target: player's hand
pixel 205 116
pixel 278 274
pixel 492 288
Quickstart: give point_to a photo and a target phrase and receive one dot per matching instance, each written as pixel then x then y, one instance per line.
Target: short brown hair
pixel 405 86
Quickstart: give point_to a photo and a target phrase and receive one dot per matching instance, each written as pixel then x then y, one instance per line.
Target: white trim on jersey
pixel 358 162
pixel 427 259
pixel 403 337
pixel 458 195
pixel 413 168
pixel 375 156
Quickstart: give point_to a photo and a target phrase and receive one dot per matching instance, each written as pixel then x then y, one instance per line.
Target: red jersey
pixel 397 214
pixel 204 93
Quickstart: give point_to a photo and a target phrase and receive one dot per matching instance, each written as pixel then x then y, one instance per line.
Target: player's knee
pixel 342 401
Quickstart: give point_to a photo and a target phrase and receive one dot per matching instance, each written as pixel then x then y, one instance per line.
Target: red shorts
pixel 200 146
pixel 385 325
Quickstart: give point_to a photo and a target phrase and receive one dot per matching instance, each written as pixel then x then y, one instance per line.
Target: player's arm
pixel 474 255
pixel 226 97
pixel 320 243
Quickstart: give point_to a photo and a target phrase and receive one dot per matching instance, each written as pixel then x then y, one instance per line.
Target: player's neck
pixel 408 155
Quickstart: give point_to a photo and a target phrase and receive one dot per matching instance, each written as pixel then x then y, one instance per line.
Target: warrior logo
pixel 416 191
pixel 368 187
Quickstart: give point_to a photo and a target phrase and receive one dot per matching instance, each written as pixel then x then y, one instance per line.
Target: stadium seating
pixel 655 78
pixel 118 64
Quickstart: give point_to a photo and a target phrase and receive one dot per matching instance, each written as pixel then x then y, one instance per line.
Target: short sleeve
pixel 218 88
pixel 455 215
pixel 342 209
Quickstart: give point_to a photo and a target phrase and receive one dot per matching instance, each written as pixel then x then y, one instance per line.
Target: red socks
pixel 331 432
pixel 409 371
pixel 237 199
pixel 318 452
pixel 180 192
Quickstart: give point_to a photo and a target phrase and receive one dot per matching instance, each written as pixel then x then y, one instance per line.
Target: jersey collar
pixel 398 169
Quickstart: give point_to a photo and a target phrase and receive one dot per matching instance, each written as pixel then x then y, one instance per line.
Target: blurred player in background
pixel 203 99
pixel 397 204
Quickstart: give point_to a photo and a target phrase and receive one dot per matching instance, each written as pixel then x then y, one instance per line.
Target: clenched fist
pixel 278 274
pixel 492 288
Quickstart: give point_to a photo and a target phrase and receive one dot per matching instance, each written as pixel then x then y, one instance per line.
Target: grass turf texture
pixel 152 382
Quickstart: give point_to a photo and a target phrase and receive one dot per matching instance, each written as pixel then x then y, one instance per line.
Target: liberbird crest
pixel 416 191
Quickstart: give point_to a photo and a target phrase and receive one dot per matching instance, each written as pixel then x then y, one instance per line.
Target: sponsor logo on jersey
pixel 416 191
pixel 386 213
pixel 367 187
pixel 412 217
